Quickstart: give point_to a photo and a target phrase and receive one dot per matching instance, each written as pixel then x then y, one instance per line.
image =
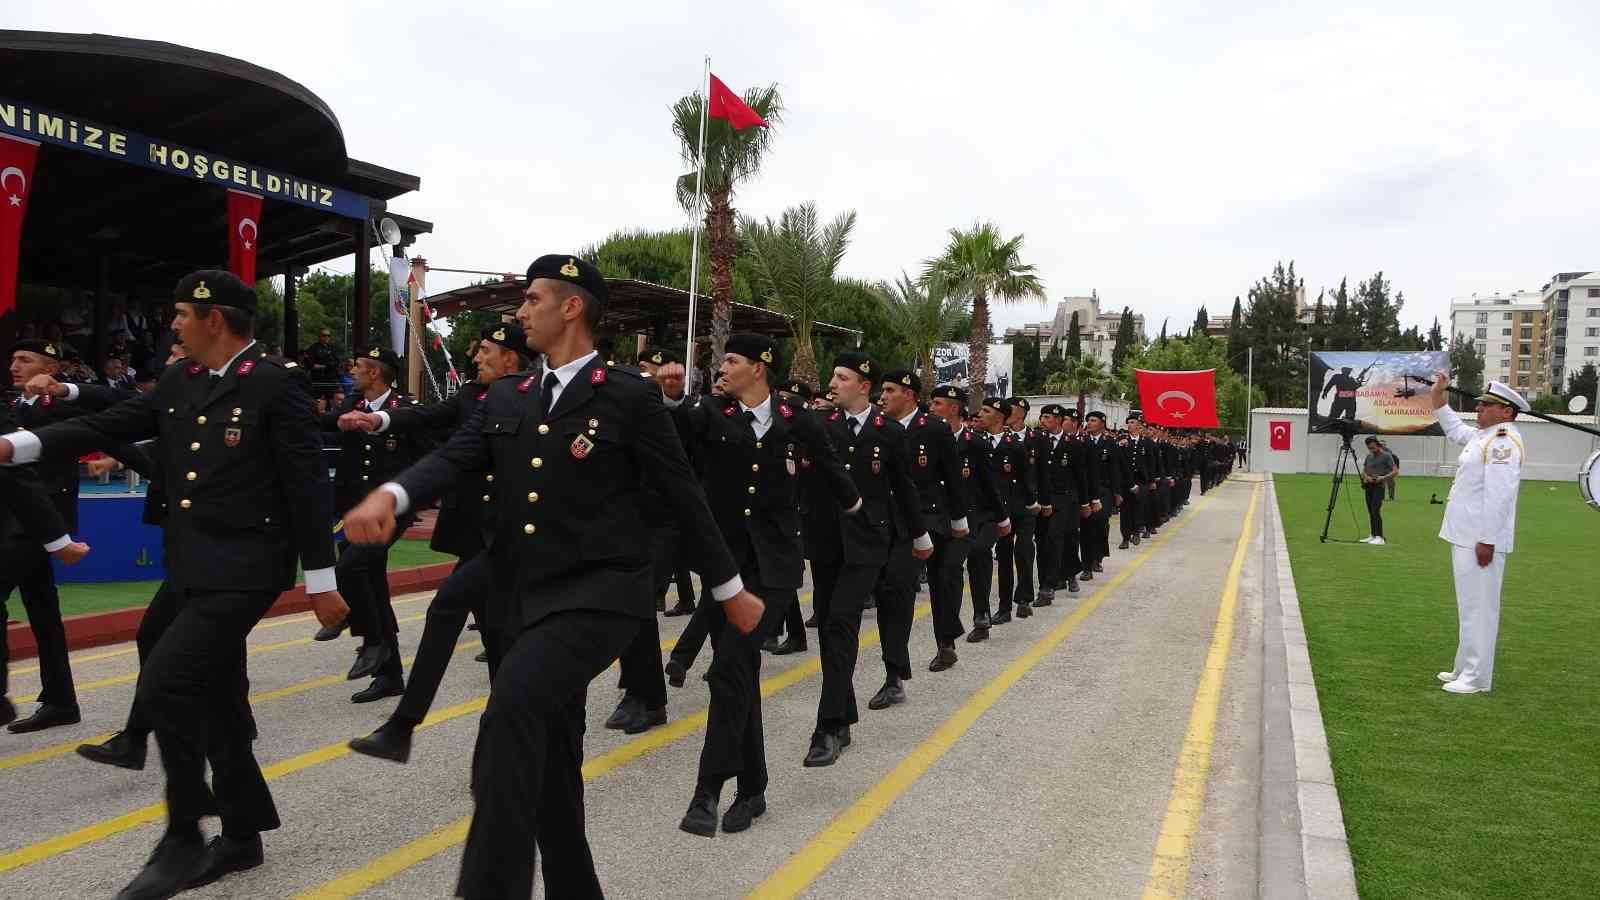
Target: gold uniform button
pixel 533 496
pixel 366 477
pixel 486 498
pixel 237 411
pixel 195 446
pixel 489 477
pixel 536 462
pixel 747 512
pixel 544 429
pixel 847 467
pixel 185 503
pixel 758 445
pixel 200 421
pixel 528 528
pixel 366 462
pixel 755 467
pixel 192 476
pixel 751 489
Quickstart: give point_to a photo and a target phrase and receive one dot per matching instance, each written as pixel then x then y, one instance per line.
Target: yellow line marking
pixel 794 876
pixel 1169 872
pixel 432 844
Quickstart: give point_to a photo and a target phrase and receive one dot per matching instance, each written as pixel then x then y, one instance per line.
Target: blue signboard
pixel 108 141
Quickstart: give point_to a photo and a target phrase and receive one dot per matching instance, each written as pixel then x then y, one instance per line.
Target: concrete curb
pixel 1324 849
pixel 116 626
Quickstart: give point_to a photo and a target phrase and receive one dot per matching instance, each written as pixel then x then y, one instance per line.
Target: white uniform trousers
pixel 1478 608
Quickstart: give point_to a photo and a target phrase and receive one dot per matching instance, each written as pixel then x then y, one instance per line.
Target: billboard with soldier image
pixel 1366 391
pixel 950 367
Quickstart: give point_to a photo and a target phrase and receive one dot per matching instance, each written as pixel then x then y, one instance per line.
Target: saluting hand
pixel 372 520
pixel 39 385
pixel 330 608
pixel 744 610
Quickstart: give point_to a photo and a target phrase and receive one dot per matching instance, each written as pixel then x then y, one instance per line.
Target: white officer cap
pixel 1503 394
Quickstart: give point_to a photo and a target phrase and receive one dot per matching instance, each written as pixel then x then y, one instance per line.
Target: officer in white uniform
pixel 1479 523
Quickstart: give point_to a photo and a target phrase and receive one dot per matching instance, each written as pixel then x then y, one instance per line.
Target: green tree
pixel 982 265
pixel 1344 332
pixel 1054 363
pixel 730 158
pixel 1027 377
pixel 1202 321
pixel 855 304
pixel 1084 376
pixel 1435 336
pixel 1274 334
pixel 1162 340
pixel 794 261
pixel 1127 342
pixel 1191 354
pixel 662 257
pixel 1319 325
pixel 1582 384
pixel 1074 339
pixel 1236 336
pixel 1378 314
pixel 922 316
pixel 1467 363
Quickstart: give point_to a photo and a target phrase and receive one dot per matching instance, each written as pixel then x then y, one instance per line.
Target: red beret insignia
pixel 246 367
pixel 598 376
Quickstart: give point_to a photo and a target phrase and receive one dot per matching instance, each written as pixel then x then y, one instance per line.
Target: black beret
pixel 951 392
pixel 215 286
pixel 1070 413
pixel 999 404
pixel 1052 409
pixel 572 270
pixel 799 389
pixel 1135 416
pixel 382 355
pixel 1020 403
pixel 508 335
pixel 753 347
pixel 857 362
pixel 1096 414
pixel 43 348
pixel 905 378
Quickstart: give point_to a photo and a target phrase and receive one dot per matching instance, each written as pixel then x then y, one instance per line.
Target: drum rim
pixel 1590 472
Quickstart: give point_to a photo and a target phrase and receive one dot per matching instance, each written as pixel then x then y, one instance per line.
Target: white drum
pixel 1589 480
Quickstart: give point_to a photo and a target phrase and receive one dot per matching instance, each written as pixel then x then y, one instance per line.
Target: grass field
pixel 1488 795
pixel 77 599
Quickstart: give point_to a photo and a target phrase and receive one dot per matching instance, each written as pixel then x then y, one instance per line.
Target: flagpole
pixel 1249 403
pixel 690 369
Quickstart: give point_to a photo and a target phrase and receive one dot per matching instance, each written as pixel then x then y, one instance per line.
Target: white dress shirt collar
pixel 379 403
pixel 565 374
pixel 763 416
pixel 229 364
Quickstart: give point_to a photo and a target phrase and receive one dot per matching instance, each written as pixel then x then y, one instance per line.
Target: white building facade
pixel 1571 326
pixel 1507 331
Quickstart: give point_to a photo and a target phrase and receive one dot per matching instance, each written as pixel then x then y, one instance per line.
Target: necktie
pixel 750 422
pixel 551 382
pixel 853 425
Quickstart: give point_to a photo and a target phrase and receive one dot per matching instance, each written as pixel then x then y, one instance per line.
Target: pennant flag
pixel 17 157
pixel 1279 434
pixel 1178 399
pixel 725 104
pixel 244 230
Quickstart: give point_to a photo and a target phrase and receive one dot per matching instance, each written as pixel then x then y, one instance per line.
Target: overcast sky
pixel 1164 154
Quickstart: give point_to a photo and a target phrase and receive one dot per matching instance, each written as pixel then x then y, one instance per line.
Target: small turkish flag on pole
pixel 725 104
pixel 1178 399
pixel 1278 435
pixel 244 230
pixel 17 157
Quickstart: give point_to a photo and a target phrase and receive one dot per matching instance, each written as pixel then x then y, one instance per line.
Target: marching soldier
pixel 936 472
pixel 1138 507
pixel 1107 479
pixel 239 452
pixel 1480 524
pixel 987 518
pixel 569 548
pixel 1014 554
pixel 666 367
pixel 366 460
pixel 801 395
pixel 1006 461
pixel 1065 501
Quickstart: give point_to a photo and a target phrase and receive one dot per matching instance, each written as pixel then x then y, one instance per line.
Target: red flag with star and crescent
pixel 17 157
pixel 244 232
pixel 1178 399
pixel 725 104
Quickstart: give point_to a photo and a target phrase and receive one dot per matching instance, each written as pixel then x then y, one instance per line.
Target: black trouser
pixel 838 595
pixel 528 785
pixel 27 570
pixel 469 584
pixel 363 577
pixel 980 566
pixel 1057 537
pixel 158 617
pixel 190 690
pixel 735 745
pixel 1374 507
pixel 693 636
pixel 1132 513
pixel 1014 554
pixel 642 676
pixel 794 624
pixel 896 595
pixel 944 582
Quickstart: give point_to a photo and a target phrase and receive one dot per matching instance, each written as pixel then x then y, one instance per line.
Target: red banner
pixel 17 157
pixel 1278 434
pixel 244 230
pixel 1178 399
pixel 725 104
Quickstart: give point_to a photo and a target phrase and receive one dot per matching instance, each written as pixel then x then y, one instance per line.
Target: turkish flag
pixel 1178 399
pixel 1279 434
pixel 725 104
pixel 244 234
pixel 17 157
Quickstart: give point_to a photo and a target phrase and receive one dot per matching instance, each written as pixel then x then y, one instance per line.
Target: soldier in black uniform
pixel 987 517
pixel 365 461
pixel 800 395
pixel 239 453
pixel 666 367
pixel 570 556
pixel 852 549
pixel 1138 506
pixel 936 471
pixel 1064 501
pixel 460 530
pixel 1108 489
pixel 748 443
pixel 1013 554
pixel 1006 459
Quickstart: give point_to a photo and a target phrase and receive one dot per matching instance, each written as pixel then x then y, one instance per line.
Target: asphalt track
pixel 1109 746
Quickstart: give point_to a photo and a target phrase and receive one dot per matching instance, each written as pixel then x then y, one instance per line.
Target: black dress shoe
pixel 481 657
pixel 1024 610
pixel 792 645
pixel 743 811
pixel 48 715
pixel 624 713
pixel 770 644
pixel 645 719
pixel 1000 618
pixel 944 659
pixel 844 736
pixel 981 621
pixel 678 610
pixel 328 633
pixel 978 634
pixel 392 741
pixel 1086 575
pixel 1044 601
pixel 177 860
pixel 812 622
pixel 676 673
pixel 1136 540
pixel 1123 545
pixel 124 750
pixel 1098 567
pixel 224 855
pixel 381 687
pixel 8 713
pixel 661 604
pixel 825 749
pixel 1072 586
pixel 369 659
pixel 891 694
pixel 701 818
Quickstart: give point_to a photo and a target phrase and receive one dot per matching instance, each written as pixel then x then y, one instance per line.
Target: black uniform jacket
pixel 977 484
pixel 368 459
pixel 936 471
pixel 1064 471
pixel 876 460
pixel 27 512
pixel 462 528
pixel 60 476
pixel 1008 459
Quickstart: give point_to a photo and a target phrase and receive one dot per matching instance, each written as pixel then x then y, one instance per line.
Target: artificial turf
pixel 1445 796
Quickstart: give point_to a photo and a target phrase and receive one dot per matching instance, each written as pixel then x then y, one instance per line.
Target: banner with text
pixel 950 367
pixel 1366 391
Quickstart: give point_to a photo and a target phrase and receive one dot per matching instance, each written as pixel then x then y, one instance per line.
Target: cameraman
pixel 1377 470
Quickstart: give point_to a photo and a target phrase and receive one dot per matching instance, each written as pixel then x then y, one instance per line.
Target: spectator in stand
pixel 347 377
pixel 325 364
pixel 114 374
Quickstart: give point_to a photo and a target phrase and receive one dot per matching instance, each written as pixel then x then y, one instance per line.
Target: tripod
pixel 1347 455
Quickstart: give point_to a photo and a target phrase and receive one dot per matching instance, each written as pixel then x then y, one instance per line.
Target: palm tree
pixel 1084 376
pixel 795 259
pixel 981 264
pixel 921 316
pixel 731 157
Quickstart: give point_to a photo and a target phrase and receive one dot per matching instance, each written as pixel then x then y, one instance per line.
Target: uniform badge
pixel 966 471
pixel 877 467
pixel 581 445
pixel 194 368
pixel 1007 466
pixel 246 367
pixel 789 464
pixel 598 376
pixel 877 421
pixel 394 402
pixel 392 444
pixel 524 386
pixel 231 436
pixel 922 459
pixel 570 270
pixel 728 410
pixel 785 411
